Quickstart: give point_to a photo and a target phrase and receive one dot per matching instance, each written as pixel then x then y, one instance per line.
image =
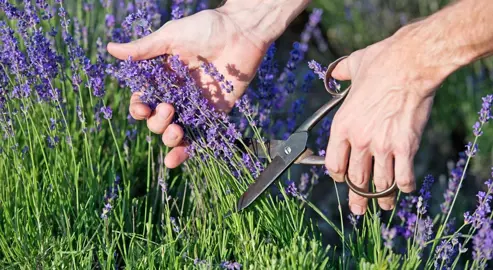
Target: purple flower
pixel 388 235
pixel 483 208
pixel 424 231
pixel 52 141
pixel 482 242
pixel 11 11
pixel 304 181
pixel 10 54
pixel 52 124
pixel 317 68
pixel 484 115
pixel 110 196
pixel 174 224
pixel 353 219
pixel 405 213
pixel 291 189
pixel 163 185
pixel 485 112
pixel 177 9
pixel 197 261
pixel 471 149
pixel 231 265
pixel 288 78
pixel 307 32
pixel 425 194
pixel 319 39
pixel 202 5
pixel 107 112
pixel 106 210
pixel 445 253
pixel 167 79
pixel 454 179
pixel 477 129
pixel 211 70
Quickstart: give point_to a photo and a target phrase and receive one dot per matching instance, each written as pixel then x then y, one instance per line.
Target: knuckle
pixel 406 183
pixel 402 149
pixel 381 148
pixel 333 167
pixel 338 127
pixel 359 142
pixel 406 147
pixel 356 178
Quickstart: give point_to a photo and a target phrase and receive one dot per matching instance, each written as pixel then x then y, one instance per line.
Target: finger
pixel 342 72
pixel 147 47
pixel 138 109
pixel 359 174
pixel 344 69
pixel 336 159
pixel 404 173
pixel 173 135
pixel 176 156
pixel 383 176
pixel 161 118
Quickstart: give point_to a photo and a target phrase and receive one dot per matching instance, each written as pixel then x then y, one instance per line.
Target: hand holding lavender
pixel 233 38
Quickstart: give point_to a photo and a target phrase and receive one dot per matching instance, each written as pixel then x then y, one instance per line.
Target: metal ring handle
pixel 328 77
pixel 363 193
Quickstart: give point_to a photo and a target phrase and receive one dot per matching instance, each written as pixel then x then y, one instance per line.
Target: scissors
pixel 294 150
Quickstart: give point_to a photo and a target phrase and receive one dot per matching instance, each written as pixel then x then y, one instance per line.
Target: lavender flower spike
pixel 231 265
pixel 483 243
pixel 483 209
pixel 388 235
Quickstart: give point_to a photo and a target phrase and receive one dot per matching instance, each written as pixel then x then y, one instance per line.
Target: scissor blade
pixel 258 149
pixel 272 147
pixel 294 147
pixel 266 178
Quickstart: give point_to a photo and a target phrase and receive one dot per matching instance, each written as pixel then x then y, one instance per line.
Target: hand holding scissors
pixel 294 151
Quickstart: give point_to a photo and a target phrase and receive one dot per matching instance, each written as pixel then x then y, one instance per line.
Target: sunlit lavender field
pixel 84 185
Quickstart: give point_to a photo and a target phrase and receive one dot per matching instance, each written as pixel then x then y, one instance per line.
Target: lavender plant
pixel 85 186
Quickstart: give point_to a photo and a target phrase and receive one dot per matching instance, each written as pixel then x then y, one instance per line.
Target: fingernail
pixel 356 209
pixel 387 207
pixel 172 136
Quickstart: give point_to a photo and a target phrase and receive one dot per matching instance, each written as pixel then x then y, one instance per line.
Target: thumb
pixel 345 69
pixel 147 47
pixel 342 72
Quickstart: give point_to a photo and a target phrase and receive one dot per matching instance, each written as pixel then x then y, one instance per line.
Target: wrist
pixel 451 38
pixel 264 20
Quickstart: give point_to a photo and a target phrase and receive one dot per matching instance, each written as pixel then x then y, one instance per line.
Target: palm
pixel 213 37
pixel 208 36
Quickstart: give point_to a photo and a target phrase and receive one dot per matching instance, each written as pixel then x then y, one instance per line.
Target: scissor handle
pixel 337 97
pixel 328 78
pixel 320 161
pixel 363 193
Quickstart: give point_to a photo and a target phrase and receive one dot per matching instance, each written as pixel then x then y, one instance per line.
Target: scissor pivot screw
pixel 287 150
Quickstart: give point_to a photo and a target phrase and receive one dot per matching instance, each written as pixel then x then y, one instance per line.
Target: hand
pixel 384 114
pixel 234 38
pixel 209 35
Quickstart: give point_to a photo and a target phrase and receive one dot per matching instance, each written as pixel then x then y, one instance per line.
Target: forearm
pixel 453 37
pixel 264 19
